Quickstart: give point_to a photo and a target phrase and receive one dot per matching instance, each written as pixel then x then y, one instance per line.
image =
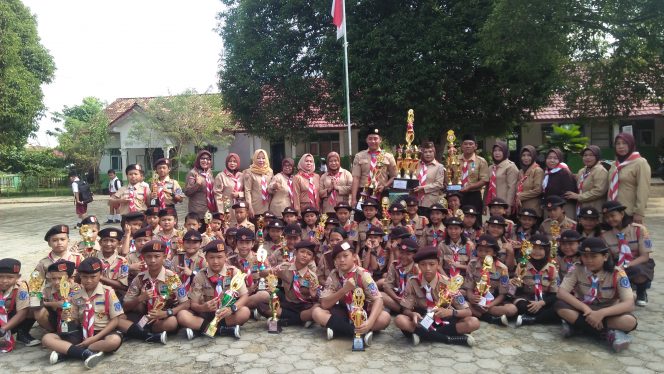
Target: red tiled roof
pixel 557 111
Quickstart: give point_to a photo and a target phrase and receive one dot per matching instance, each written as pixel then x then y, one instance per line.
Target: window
pixel 643 131
pixel 600 134
pixel 324 144
pixel 116 159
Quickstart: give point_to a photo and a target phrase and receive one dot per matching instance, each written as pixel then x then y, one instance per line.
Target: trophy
pixel 66 318
pixel 228 299
pixel 407 159
pixel 261 256
pixel 452 166
pixel 358 315
pixel 555 234
pixel 227 213
pixel 399 161
pixel 179 246
pixel 159 299
pixel 284 249
pixel 207 218
pixel 87 233
pixel 520 272
pixel 35 285
pixel 320 229
pixel 260 224
pixel 483 287
pixel 385 221
pixel 154 198
pixel 273 325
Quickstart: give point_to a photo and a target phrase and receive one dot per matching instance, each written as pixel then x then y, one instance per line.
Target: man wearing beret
pixel 14 306
pixel 365 167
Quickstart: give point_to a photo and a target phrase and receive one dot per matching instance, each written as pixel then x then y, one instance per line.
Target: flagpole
pixel 350 140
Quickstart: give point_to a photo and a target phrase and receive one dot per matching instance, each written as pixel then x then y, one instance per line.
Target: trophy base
pixel 35 301
pixel 273 326
pixel 454 187
pixel 405 184
pixel 211 330
pixel 262 286
pixel 143 321
pixel 358 344
pixel 67 327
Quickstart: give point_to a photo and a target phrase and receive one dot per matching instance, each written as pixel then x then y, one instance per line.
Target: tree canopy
pixel 24 66
pixel 471 65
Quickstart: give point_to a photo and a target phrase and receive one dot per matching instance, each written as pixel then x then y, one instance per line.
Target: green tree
pixel 83 135
pixel 24 66
pixel 566 137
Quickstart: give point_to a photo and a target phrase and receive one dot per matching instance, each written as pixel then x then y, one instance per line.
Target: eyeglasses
pixel 205 159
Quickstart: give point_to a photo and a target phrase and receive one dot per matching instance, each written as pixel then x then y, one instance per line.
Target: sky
pixel 125 48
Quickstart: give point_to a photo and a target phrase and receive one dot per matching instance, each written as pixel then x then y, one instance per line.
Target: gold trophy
pixel 483 286
pixel 86 233
pixel 179 246
pixel 273 325
pixel 555 235
pixel 320 229
pixel 260 224
pixel 207 218
pixel 452 164
pixel 225 301
pixel 520 272
pixel 66 325
pixel 154 198
pixel 261 255
pixel 407 158
pixel 358 315
pixel 35 285
pixel 385 221
pixel 159 301
pixel 399 161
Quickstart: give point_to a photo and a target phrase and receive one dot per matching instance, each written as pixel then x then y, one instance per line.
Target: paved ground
pixel 528 349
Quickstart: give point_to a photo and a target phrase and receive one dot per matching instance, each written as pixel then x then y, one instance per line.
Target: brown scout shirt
pixel 431 233
pixel 171 188
pixel 549 280
pixel 637 237
pixel 45 262
pixel 478 169
pixel 202 289
pixel 498 277
pixel 595 186
pixel 252 191
pixel 344 181
pixel 566 224
pixel 415 295
pixel 280 196
pixel 105 303
pixel 175 296
pixel 464 252
pixel 301 198
pixel 308 282
pixel 362 166
pixel 532 188
pixel 362 278
pixel 634 187
pixel 115 268
pixel 141 197
pixel 614 286
pixel 22 300
pixel 393 277
pixel 507 175
pixel 434 187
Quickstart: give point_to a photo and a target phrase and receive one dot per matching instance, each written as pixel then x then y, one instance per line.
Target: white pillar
pixel 167 150
pixel 123 154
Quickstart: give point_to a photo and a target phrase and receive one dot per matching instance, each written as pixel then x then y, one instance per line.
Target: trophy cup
pixel 261 256
pixel 66 318
pixel 520 272
pixel 86 233
pixel 273 325
pixel 207 218
pixel 399 161
pixel 452 164
pixel 179 246
pixel 385 221
pixel 358 315
pixel 154 198
pixel 320 229
pixel 407 159
pixel 229 298
pixel 483 287
pixel 260 224
pixel 227 214
pixel 35 285
pixel 555 235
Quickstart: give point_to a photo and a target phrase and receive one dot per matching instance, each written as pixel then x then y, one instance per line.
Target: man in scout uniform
pixel 193 260
pixel 474 173
pixel 154 297
pixel 365 168
pixel 398 273
pixel 49 316
pixel 425 316
pixel 167 192
pixel 241 210
pixel 57 238
pixel 370 209
pixel 115 272
pixel 14 306
pixel 135 196
pixel 336 299
pixel 431 177
pixel 206 293
pixel 555 211
pixel 98 310
pixel 84 248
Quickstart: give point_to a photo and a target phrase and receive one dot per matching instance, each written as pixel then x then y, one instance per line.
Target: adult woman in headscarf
pixel 335 185
pixel 228 188
pixel 629 177
pixel 306 184
pixel 255 181
pixel 200 185
pixel 592 181
pixel 529 185
pixel 558 180
pixel 502 175
pixel 282 189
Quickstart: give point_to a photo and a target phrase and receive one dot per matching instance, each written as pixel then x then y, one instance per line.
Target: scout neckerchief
pixel 186 279
pixel 155 292
pixel 264 194
pixel 167 240
pixel 625 254
pixel 593 293
pixel 132 246
pixel 132 196
pixel 582 179
pixel 348 298
pixel 89 317
pixel 218 281
pixel 161 194
pixel 5 310
pixel 372 164
pixel 237 181
pixel 522 180
pixel 491 191
pixel 403 274
pixel 614 181
pixel 312 192
pixel 289 184
pixel 438 235
pixel 296 285
pixel 468 166
pixel 456 248
pixel 569 261
pixel 431 303
pixel 209 191
pixel 422 178
pixel 537 279
pixel 333 195
pixel 559 167
pixel 246 268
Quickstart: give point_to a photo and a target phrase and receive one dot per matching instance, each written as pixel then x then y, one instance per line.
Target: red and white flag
pixel 338 18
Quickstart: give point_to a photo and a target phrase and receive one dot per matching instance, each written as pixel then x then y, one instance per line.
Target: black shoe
pixel 78 225
pixel 524 319
pixel 497 320
pixel 27 339
pixel 157 338
pixel 229 331
pixel 461 340
pixel 109 221
pixel 641 298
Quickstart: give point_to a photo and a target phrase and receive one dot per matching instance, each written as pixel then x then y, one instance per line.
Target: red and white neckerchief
pixel 569 262
pixel 559 167
pixel 132 246
pixel 4 318
pixel 168 242
pixel 264 194
pixel 468 165
pixel 246 268
pixel 438 236
pixel 89 317
pixel 161 194
pixel 491 191
pixel 582 178
pixel 291 194
pixel 312 193
pixel 625 252
pixel 132 197
pixel 296 286
pixel 614 181
pixel 537 280
pixel 186 279
pixel 348 298
pixel 403 274
pixel 593 293
pixel 428 295
pixel 155 293
pixel 237 181
pixel 333 195
pixel 455 258
pixel 373 163
pixel 209 191
pixel 218 281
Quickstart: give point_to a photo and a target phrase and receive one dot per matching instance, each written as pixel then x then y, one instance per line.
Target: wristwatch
pixel 233 308
pixel 169 312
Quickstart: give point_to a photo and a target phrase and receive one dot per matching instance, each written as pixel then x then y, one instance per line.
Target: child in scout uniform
pixel 300 286
pixel 49 316
pixel 453 203
pixel 336 299
pixel 192 221
pixel 555 211
pixel 214 229
pixel 310 223
pixel 241 210
pixel 422 318
pixel 293 234
pixel 93 229
pixel 168 191
pixel 324 261
pixel 414 220
pixel 115 268
pixel 434 233
pixel 230 240
pixel 490 305
pixel 154 297
pixel 396 215
pixel 151 218
pixel 206 293
pixel 537 285
pixel 499 207
pixel 526 227
pixel 57 238
pixel 97 309
pixel 596 297
pixel 630 246
pixel 568 255
pixel 589 225
pixel 369 209
pixel 275 232
pixel 289 215
pixel 472 222
pixel 343 211
pixel 193 261
pixel 134 257
pixel 398 274
pixel 375 258
pixel 497 227
pixel 168 220
pixel 135 196
pixel 247 262
pixel 14 306
pixel 455 250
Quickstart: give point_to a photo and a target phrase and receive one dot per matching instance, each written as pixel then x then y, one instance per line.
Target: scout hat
pixel 468 137
pixel 240 204
pixel 611 206
pixel 90 265
pixel 216 246
pixel 244 233
pixel 593 245
pixel 288 210
pixel 410 201
pixel 151 211
pixel 370 202
pixel 55 230
pixel 438 207
pixel 62 265
pixel 375 231
pixel 231 232
pixel 10 266
pixel 162 161
pixel 306 244
pixel 193 236
pixel 541 239
pixel 276 224
pixel 553 201
pixel 218 216
pixel 145 232
pixel 293 229
pixel 168 212
pixel 343 205
pixel 332 221
pixel 156 246
pixel 89 220
pixel 454 221
pixel 409 245
pixel 588 212
pixel 131 167
pixel 310 209
pixel 426 253
pixel 111 232
pixel 528 212
pixel 486 240
pixel 343 246
pixel 570 236
pixel 469 209
pixel 396 207
pixel 453 193
pixel 399 232
pixel 496 220
pixel 499 202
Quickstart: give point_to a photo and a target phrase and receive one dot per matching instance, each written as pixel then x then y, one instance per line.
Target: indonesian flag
pixel 338 18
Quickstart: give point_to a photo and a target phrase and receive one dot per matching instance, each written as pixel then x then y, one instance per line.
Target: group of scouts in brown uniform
pixel 439 276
